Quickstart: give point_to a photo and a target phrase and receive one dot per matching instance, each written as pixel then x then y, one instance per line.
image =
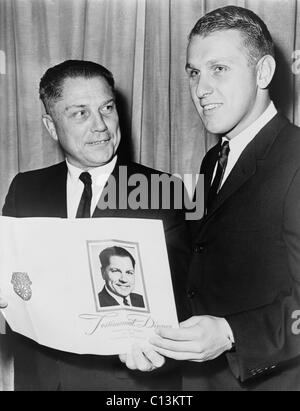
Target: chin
pixel 101 161
pixel 217 129
pixel 121 293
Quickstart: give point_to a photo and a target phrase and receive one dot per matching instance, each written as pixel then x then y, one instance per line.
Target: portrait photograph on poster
pixel 108 291
pixel 117 276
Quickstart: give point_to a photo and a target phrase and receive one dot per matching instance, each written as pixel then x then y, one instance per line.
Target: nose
pixel 203 88
pixel 99 124
pixel 123 277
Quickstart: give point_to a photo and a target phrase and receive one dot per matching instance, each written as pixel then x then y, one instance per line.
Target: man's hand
pixel 200 338
pixel 3 303
pixel 142 359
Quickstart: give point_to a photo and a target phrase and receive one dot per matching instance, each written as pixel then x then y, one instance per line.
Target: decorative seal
pixel 22 283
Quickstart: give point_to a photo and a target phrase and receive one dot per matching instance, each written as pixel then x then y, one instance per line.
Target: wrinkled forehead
pixel 120 261
pixel 78 87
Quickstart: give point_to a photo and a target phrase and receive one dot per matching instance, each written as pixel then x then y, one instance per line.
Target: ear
pixel 265 71
pixel 103 273
pixel 50 126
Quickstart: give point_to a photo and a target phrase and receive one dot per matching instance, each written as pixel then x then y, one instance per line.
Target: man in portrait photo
pixel 118 272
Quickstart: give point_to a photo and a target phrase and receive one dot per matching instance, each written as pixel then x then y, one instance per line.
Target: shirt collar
pixel 118 298
pixel 98 173
pixel 239 142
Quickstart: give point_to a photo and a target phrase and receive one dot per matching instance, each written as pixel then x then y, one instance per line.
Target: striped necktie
pixel 84 208
pixel 217 181
pixel 125 301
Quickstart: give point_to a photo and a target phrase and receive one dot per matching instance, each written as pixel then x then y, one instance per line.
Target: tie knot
pixel 225 149
pixel 86 178
pixel 126 302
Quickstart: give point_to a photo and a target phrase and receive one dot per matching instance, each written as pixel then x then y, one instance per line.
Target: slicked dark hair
pixel 114 251
pixel 257 38
pixel 51 84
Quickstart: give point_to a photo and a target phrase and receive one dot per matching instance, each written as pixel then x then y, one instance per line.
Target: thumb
pixel 123 358
pixel 191 322
pixel 3 303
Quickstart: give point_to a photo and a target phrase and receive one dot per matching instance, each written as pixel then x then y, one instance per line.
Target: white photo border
pixel 95 294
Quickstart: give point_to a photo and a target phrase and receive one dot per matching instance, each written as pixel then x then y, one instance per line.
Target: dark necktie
pixel 216 184
pixel 84 208
pixel 126 302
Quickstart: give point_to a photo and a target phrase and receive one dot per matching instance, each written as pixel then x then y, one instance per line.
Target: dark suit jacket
pixel 246 264
pixel 106 300
pixel 42 193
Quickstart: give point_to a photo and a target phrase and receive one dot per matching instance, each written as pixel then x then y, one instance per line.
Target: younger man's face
pixel 222 82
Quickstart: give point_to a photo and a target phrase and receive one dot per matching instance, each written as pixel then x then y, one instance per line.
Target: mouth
pixel 101 142
pixel 210 108
pixel 123 287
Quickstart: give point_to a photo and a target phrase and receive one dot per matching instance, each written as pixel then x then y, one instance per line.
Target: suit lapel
pixel 110 301
pixel 242 171
pixel 245 167
pixel 56 192
pixel 208 169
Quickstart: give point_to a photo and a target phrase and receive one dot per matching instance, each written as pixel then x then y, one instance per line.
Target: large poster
pixel 88 286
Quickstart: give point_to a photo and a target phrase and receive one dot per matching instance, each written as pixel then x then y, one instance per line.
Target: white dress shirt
pixel 238 144
pixel 119 299
pixel 75 186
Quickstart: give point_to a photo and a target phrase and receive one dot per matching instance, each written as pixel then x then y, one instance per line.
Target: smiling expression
pixel 119 275
pixel 223 83
pixel 85 122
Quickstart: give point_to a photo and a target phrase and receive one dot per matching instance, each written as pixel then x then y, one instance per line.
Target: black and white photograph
pixel 117 276
pixel 181 118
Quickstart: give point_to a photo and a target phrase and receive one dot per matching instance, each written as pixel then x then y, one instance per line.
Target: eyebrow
pixel 219 60
pixel 118 268
pixel 210 62
pixel 76 106
pixel 189 66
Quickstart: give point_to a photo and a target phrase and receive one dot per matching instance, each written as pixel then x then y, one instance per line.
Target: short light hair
pixel 52 82
pixel 257 38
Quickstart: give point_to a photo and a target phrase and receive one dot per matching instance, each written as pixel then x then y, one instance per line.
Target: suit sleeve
pixel 179 249
pixel 10 205
pixel 10 210
pixel 269 337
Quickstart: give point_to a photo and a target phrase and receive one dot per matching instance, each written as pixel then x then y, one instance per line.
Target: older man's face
pixel 119 276
pixel 85 122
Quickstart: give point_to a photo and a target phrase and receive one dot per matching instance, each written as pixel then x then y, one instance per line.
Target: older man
pixel 81 114
pixel 244 281
pixel 118 272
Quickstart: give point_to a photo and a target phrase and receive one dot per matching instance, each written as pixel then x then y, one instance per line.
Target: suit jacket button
pixel 191 294
pixel 198 249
